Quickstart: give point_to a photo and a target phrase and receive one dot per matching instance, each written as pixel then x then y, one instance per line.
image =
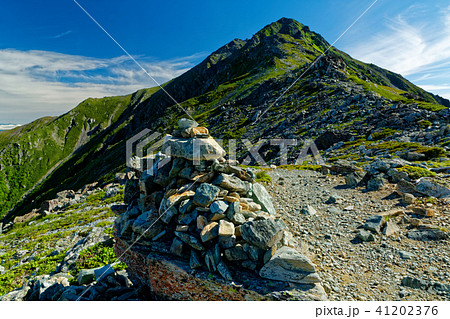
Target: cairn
pixel 209 212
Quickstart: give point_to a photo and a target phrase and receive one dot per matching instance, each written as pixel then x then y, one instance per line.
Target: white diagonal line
pixel 315 61
pixel 131 57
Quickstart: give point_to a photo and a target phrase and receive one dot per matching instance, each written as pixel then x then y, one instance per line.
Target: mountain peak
pixel 283 26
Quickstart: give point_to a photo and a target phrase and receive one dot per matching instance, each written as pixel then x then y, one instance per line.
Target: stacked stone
pixel 210 212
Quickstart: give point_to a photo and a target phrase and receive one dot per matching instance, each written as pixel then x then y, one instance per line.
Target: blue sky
pixel 52 56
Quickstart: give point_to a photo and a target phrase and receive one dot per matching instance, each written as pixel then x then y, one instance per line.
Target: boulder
pixel 263 233
pixel 430 187
pixel 205 194
pixel 262 197
pixel 375 184
pixel 289 265
pixel 226 228
pixel 199 149
pixel 86 276
pixel 344 167
pixel 390 228
pixel 308 210
pixel 233 209
pixel 365 235
pixel 101 273
pixel 190 240
pixel 374 223
pixel 186 123
pixel 219 207
pixel 354 179
pixel 232 183
pixel 209 232
pixel 427 235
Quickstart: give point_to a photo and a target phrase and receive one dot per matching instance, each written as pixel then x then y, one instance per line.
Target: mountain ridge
pixel 224 92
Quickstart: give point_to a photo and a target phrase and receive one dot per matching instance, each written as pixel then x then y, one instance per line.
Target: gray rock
pixel 254 253
pixel 224 271
pixel 238 219
pixel 390 228
pixel 263 233
pixel 190 240
pixel 227 241
pixel 427 235
pixel 405 255
pixel 168 214
pixel 414 283
pixel 209 232
pixel 148 225
pixel 334 199
pixel 232 183
pixel 333 210
pixel 308 210
pixel 194 260
pixel 17 294
pixel 414 156
pixel 2 270
pixel 365 235
pixel 212 258
pixel 235 253
pixel 233 208
pixel 431 188
pixel 102 273
pixel 380 165
pixel 354 179
pixel 219 207
pixel 344 167
pixel 205 194
pixel 262 197
pixel 226 228
pixel 199 149
pixel 441 287
pixel 186 123
pixel 289 265
pixel 188 218
pixel 86 276
pixel 186 206
pixel 177 247
pixel 374 223
pixel 177 165
pixel 375 184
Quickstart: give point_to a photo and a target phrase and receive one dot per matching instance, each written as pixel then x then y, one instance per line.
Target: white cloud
pixel 415 43
pixel 41 83
pixel 4 127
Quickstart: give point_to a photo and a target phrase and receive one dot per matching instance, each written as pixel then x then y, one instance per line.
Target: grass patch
pixel 416 172
pixel 99 255
pixel 263 177
pixel 387 132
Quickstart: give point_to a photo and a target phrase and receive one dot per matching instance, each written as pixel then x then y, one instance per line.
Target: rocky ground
pixel 64 251
pixel 390 267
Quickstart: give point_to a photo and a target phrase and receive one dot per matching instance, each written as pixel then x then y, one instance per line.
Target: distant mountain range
pixel 231 92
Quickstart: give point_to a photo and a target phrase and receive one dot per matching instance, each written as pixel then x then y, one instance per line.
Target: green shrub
pixel 424 123
pixel 263 177
pixel 416 172
pixel 383 134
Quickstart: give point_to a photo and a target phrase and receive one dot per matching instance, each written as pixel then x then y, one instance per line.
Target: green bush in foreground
pixel 263 177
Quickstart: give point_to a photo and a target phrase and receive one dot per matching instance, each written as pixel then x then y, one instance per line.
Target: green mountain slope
pixel 231 92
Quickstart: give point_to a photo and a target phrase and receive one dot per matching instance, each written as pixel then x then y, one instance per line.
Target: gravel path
pixel 351 269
